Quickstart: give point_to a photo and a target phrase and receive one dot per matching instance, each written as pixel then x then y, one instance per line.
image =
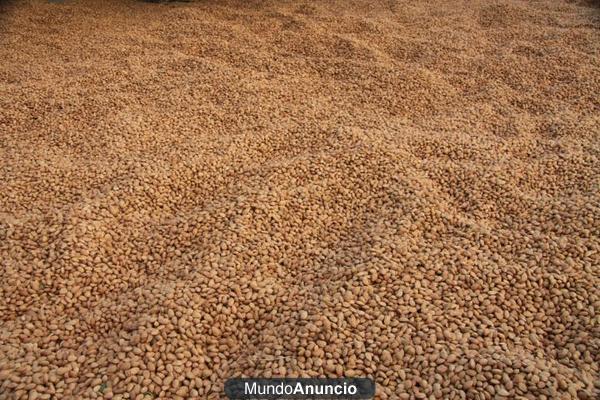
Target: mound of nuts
pixel 406 191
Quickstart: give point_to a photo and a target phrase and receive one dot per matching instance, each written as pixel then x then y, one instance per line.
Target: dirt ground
pixel 405 190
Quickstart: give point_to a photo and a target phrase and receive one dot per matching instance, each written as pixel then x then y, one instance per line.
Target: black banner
pixel 299 388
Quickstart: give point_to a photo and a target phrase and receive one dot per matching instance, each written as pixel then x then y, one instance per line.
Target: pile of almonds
pixel 400 190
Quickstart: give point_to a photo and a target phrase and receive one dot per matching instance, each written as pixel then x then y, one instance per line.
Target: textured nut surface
pixel 404 190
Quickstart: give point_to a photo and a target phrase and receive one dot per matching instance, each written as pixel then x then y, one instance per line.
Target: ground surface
pixel 398 189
